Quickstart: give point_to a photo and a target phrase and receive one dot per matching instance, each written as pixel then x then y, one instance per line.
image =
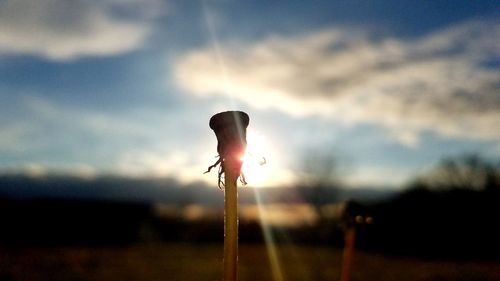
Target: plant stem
pixel 349 240
pixel 231 222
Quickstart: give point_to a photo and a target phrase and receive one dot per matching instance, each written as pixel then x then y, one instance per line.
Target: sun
pixel 256 173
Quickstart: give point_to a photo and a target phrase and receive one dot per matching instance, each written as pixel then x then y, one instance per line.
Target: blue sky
pixel 128 87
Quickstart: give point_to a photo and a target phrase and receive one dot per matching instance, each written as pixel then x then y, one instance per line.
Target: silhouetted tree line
pixel 451 211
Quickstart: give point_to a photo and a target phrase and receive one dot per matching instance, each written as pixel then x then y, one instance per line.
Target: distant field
pixel 192 262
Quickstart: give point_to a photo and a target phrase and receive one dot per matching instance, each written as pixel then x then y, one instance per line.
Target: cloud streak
pixel 44 136
pixel 62 30
pixel 445 82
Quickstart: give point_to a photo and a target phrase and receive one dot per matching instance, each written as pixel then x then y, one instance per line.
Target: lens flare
pixel 272 252
pixel 256 174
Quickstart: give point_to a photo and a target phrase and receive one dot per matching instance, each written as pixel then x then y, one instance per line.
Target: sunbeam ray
pixel 214 41
pixel 269 239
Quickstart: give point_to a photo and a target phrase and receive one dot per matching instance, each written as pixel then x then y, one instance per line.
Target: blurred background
pixel 379 122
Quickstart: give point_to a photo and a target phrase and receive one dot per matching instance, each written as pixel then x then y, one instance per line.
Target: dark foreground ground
pixel 190 262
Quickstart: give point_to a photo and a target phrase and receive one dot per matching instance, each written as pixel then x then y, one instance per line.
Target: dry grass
pixel 192 262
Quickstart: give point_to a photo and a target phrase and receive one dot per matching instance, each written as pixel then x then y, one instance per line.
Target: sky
pixel 387 88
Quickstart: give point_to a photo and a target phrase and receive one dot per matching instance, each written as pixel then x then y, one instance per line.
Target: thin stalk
pixel 347 259
pixel 231 224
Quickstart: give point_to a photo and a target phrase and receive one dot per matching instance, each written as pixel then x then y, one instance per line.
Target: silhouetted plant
pixel 230 130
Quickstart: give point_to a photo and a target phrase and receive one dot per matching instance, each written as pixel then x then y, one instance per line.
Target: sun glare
pixel 256 173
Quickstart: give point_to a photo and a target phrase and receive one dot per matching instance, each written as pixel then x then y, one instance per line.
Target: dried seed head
pixel 230 130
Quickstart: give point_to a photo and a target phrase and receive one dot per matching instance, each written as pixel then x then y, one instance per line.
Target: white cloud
pixel 438 83
pixel 61 30
pixel 183 166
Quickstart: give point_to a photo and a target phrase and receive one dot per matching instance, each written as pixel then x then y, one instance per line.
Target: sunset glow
pixel 254 161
